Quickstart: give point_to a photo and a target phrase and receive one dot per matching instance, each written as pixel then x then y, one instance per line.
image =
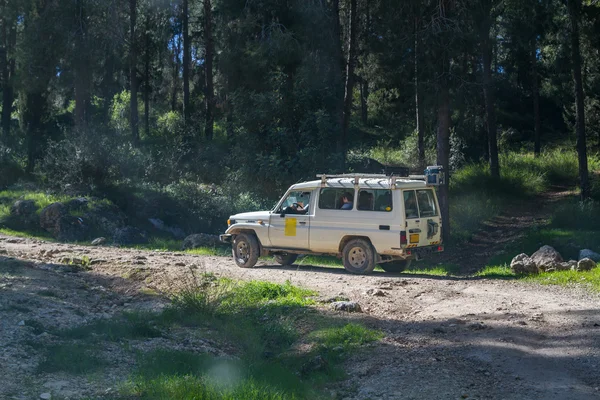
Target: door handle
pixel 302 222
pixel 415 231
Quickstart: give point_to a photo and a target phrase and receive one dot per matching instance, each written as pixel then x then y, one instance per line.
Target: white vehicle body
pixel 399 218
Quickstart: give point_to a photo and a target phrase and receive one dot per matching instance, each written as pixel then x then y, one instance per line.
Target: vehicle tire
pixel 359 257
pixel 396 265
pixel 285 258
pixel 245 250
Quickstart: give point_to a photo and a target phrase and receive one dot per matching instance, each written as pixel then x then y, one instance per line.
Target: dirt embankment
pixel 446 338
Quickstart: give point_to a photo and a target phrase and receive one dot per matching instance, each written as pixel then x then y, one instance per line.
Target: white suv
pixel 365 219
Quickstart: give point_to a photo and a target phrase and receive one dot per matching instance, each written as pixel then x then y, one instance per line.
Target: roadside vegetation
pixel 281 345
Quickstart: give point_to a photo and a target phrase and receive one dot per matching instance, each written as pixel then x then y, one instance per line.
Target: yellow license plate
pixel 414 238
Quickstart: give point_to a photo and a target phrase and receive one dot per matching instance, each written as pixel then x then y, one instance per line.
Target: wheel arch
pixel 237 231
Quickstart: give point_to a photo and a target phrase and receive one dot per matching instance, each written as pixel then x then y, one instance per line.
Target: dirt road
pixel 446 338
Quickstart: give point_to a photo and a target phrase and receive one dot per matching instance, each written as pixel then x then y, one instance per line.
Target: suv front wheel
pixel 359 257
pixel 245 250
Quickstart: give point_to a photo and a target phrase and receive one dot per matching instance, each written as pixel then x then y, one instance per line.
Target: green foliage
pixel 347 337
pixel 70 358
pixel 128 326
pixel 577 214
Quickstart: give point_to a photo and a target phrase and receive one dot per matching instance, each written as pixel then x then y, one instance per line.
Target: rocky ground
pixel 445 338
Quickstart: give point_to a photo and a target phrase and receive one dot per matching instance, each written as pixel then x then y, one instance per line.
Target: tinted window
pixel 333 199
pixel 427 205
pixel 374 200
pixel 410 204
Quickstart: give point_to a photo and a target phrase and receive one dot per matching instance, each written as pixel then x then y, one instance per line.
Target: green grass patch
pixel 435 270
pixel 589 279
pixel 496 272
pixel 127 326
pixel 36 234
pixel 347 337
pixel 71 358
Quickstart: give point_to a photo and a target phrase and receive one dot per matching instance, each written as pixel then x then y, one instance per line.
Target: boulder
pixel 546 258
pixel 98 241
pixel 23 211
pixel 105 218
pixel 129 235
pixel 56 220
pixel 523 264
pixel 200 240
pixel 564 266
pixel 587 253
pixel 586 264
pixel 178 233
pixel 23 208
pixel 78 204
pixel 349 306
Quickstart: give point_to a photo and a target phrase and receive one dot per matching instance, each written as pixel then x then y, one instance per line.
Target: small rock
pixel 376 292
pixel 180 264
pixel 21 323
pixel 349 306
pixel 99 241
pixel 45 396
pixel 587 253
pixel 523 264
pixel 586 264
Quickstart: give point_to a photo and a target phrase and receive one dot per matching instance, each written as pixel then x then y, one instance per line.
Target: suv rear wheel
pixel 245 250
pixel 285 258
pixel 359 257
pixel 396 266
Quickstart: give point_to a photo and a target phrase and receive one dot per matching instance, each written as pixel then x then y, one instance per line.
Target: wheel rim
pixel 242 252
pixel 357 257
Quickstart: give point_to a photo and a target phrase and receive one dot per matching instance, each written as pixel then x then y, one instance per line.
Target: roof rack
pixel 433 176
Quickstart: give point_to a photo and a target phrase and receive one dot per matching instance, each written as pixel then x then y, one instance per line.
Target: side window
pixel 410 204
pixel 426 201
pixel 336 199
pixel 375 200
pixel 301 198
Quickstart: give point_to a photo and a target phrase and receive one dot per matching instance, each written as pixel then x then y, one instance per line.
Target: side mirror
pixel 282 215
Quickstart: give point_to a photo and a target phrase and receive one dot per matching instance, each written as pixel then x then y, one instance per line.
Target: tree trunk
pixel 82 75
pixel 574 15
pixel 186 62
pixel 134 117
pixel 418 110
pixel 443 129
pixel 175 76
pixel 488 93
pixel 208 74
pixel 35 106
pixel 147 78
pixel 7 72
pixel 349 87
pixel 535 88
pixel 364 96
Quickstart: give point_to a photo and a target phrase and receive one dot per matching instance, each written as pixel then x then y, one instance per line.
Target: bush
pixel 582 215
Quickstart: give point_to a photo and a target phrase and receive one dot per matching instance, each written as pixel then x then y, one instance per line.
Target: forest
pixel 220 105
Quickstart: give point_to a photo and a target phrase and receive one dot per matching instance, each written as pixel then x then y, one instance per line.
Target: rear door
pixel 423 221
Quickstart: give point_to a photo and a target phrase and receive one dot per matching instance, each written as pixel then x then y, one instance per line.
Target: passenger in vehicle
pixel 410 204
pixel 365 201
pixel 384 202
pixel 347 201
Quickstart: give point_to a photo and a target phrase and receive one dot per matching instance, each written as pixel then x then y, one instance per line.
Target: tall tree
pixel 208 71
pixel 82 66
pixel 487 47
pixel 134 117
pixel 418 106
pixel 574 7
pixel 8 39
pixel 349 86
pixel 147 72
pixel 443 111
pixel 185 11
pixel 535 92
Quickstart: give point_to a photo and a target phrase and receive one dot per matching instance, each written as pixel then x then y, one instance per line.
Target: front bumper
pixel 226 238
